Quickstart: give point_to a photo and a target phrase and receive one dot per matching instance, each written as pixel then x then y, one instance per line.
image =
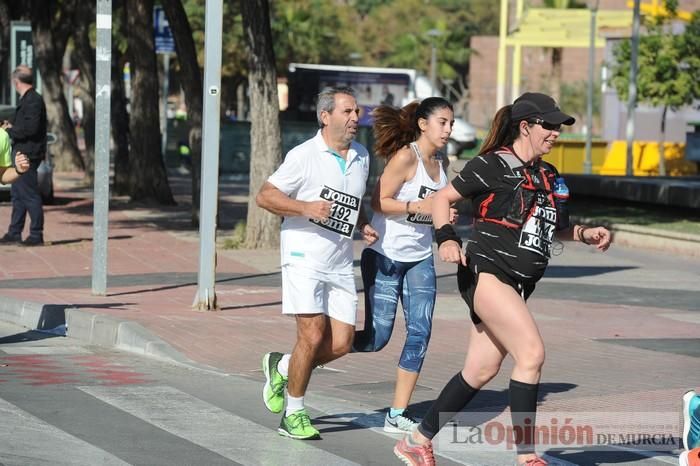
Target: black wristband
pixel 446 233
pixel 581 229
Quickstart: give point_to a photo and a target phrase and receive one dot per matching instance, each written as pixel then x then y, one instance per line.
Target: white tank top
pixel 409 237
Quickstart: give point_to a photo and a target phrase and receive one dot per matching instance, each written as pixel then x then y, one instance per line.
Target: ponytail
pixel 393 128
pixel 503 131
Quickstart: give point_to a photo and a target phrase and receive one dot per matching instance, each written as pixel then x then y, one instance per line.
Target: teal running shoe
pixel 691 420
pixel 298 426
pixel 275 383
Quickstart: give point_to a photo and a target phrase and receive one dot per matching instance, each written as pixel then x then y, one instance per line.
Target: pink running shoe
pixel 690 458
pixel 534 462
pixel 418 455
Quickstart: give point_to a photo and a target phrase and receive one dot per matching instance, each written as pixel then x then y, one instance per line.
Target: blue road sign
pixel 163 36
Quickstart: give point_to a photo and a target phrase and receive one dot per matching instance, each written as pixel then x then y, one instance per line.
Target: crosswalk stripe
pixel 215 429
pixel 22 432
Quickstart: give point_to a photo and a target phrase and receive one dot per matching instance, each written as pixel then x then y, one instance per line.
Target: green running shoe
pixel 298 426
pixel 273 391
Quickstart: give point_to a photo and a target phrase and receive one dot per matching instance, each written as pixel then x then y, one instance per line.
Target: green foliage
pixel 312 31
pixel 564 4
pixel 387 41
pixel 377 32
pixel 668 65
pixel 574 99
pixel 365 7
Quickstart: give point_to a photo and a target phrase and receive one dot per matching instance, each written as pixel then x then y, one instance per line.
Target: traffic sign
pixel 163 35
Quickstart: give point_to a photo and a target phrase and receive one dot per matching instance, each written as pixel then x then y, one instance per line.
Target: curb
pixel 95 329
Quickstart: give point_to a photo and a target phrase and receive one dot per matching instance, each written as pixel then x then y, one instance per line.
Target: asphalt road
pixel 64 403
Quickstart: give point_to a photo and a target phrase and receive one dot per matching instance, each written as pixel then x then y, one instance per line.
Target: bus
pixel 373 86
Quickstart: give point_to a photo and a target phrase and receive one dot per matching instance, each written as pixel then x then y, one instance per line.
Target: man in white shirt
pixel 318 189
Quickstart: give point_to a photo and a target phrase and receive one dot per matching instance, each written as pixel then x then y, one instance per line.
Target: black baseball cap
pixel 536 105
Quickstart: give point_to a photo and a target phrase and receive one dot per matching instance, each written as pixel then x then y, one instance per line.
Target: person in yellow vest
pixel 8 172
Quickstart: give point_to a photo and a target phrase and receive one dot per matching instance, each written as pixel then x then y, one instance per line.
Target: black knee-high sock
pixel 453 398
pixel 523 411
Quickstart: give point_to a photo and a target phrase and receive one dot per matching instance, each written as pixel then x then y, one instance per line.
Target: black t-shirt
pixel 514 227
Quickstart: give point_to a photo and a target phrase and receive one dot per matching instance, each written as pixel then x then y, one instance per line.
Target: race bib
pixel 538 231
pixel 422 219
pixel 344 212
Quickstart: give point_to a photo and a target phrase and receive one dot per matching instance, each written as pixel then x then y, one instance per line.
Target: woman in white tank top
pixel 399 266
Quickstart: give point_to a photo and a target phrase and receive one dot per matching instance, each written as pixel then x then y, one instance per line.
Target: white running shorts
pixel 306 291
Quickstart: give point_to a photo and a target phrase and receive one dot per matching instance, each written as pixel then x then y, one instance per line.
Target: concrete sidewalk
pixel 601 316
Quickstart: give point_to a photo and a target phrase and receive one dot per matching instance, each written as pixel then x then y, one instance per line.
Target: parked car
pixel 45 170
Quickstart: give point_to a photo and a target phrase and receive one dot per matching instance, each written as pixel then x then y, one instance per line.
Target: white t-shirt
pixel 310 172
pixel 409 237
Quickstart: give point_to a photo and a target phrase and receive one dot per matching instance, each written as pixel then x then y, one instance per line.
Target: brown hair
pixel 395 128
pixel 503 131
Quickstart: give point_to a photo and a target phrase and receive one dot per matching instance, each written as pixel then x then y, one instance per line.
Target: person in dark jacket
pixel 28 134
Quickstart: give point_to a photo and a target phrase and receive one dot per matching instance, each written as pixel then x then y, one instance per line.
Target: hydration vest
pixel 513 209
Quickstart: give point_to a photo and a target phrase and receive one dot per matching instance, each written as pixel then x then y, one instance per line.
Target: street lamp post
pixel 632 92
pixel 433 34
pixel 588 163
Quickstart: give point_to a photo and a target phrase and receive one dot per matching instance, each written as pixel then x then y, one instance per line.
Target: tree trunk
pixel 119 113
pixel 555 79
pixel 191 79
pixel 148 179
pixel 662 143
pixel 120 125
pixel 66 153
pixel 4 49
pixel 85 59
pixel 262 229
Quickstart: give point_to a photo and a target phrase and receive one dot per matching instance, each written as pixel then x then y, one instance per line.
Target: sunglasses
pixel 544 124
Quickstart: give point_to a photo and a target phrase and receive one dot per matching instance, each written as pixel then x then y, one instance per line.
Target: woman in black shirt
pixel 518 213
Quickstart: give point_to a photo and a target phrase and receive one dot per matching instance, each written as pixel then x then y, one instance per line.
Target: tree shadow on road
pixel 487 405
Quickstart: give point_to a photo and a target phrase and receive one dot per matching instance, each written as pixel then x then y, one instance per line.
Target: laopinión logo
pixel 494 431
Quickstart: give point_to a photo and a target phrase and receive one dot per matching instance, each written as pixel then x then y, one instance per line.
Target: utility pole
pixel 103 86
pixel 433 34
pixel 205 300
pixel 588 162
pixel 501 68
pixel 632 98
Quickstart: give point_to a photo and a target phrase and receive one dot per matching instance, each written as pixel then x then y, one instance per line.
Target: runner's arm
pixel 275 201
pixel 11 174
pixel 600 237
pixel 393 177
pixel 369 234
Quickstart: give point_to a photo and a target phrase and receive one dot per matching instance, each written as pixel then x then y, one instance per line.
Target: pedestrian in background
pixel 318 189
pixel 28 134
pixel 517 214
pixel 400 266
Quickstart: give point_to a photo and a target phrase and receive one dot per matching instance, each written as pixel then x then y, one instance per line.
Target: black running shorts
pixel 467 278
